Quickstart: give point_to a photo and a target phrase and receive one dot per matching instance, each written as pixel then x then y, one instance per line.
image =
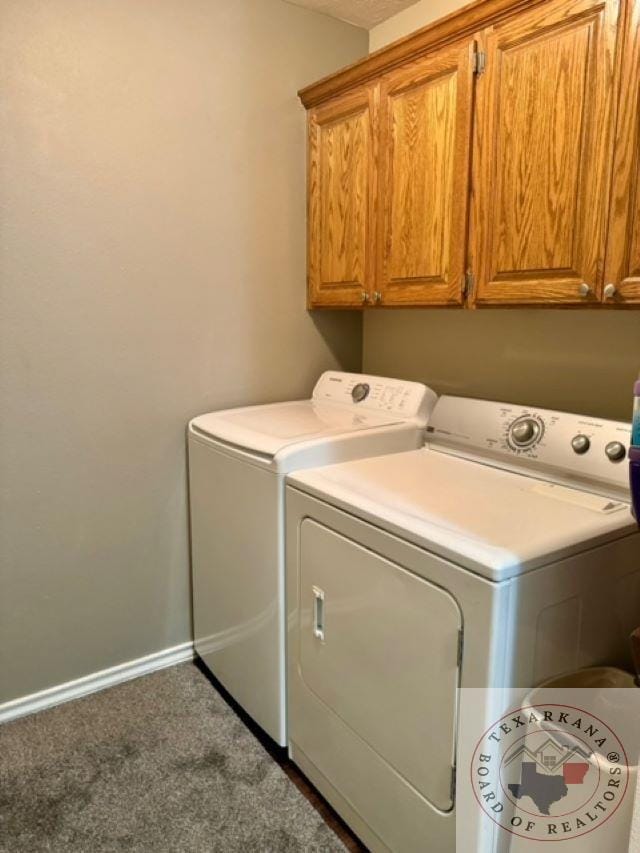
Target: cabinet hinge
pixel 453 783
pixel 479 62
pixel 469 282
pixel 460 647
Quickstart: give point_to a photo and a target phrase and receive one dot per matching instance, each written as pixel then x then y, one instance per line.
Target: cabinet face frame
pixel 593 25
pixel 434 231
pixel 335 240
pixel 622 266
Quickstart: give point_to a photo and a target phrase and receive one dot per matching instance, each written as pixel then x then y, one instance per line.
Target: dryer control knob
pixel 580 443
pixel 524 432
pixel 615 451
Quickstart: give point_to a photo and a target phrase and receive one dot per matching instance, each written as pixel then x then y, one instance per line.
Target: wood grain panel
pixel 537 195
pixel 343 196
pixel 622 268
pixel 423 128
pixel 426 112
pixel 342 164
pixel 542 154
pixel 463 23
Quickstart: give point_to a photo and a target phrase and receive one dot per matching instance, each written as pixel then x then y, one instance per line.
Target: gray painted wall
pixel 581 361
pixel 152 266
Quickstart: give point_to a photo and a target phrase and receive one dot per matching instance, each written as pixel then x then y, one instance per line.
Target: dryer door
pixel 379 647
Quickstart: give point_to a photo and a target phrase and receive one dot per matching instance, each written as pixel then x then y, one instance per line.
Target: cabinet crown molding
pixel 458 25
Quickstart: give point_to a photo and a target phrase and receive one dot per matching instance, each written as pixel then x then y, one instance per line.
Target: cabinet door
pixel 342 163
pixel 543 154
pixel 622 267
pixel 426 112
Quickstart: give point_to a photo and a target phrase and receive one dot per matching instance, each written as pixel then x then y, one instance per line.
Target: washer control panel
pixel 572 447
pixel 395 397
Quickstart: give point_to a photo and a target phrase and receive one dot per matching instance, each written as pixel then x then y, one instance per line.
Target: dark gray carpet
pixel 157 764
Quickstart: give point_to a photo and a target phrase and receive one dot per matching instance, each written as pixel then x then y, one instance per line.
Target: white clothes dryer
pixel 238 459
pixel 500 554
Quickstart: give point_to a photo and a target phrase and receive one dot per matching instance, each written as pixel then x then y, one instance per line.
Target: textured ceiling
pixel 362 13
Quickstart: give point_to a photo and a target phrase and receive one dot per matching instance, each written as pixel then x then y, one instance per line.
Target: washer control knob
pixel 580 443
pixel 524 432
pixel 360 392
pixel 615 451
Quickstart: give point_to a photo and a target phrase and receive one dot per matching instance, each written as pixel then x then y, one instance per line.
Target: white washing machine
pixel 238 459
pixel 500 554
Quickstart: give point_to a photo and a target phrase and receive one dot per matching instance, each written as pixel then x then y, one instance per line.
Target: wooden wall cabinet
pixel 543 155
pixel 341 201
pixel 492 158
pixel 622 269
pixel 425 132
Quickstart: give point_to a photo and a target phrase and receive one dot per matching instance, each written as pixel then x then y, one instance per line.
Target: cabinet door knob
pixel 609 290
pixel 584 289
pixel 377 296
pixel 365 296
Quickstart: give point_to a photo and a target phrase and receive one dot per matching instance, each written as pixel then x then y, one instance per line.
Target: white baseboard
pixel 94 682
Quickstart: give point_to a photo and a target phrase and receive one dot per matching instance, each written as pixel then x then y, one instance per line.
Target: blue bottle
pixel 634 453
pixel 634 479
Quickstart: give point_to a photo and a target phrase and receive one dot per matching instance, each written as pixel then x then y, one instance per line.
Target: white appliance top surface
pixel 268 429
pixel 500 488
pixel 342 403
pixel 492 521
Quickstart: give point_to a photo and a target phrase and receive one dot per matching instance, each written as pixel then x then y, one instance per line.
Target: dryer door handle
pixel 318 613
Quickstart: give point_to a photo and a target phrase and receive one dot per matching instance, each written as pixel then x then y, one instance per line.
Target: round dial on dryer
pixel 616 451
pixel 525 432
pixel 580 443
pixel 360 392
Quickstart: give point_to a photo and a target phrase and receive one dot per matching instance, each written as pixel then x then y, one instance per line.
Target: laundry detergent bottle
pixel 634 452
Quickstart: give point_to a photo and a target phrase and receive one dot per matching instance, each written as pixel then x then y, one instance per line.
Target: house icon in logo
pixel 549 754
pixel 552 756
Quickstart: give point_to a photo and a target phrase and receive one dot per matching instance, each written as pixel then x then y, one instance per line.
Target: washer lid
pixel 266 430
pixel 494 522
